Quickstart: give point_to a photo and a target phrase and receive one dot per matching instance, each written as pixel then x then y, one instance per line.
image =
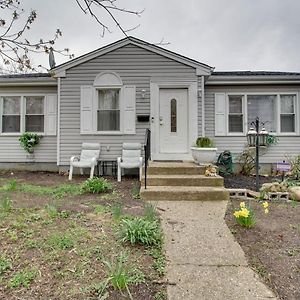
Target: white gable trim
pixel 201 69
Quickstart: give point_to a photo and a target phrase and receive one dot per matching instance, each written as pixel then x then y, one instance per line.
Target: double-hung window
pixel 11 114
pixel 34 118
pixel 287 113
pixel 235 114
pixel 22 114
pixel 108 113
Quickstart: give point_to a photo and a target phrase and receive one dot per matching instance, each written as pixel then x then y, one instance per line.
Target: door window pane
pixel 173 115
pixel 108 115
pixel 235 116
pixel 264 107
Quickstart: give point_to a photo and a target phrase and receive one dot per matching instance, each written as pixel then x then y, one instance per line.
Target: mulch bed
pixel 272 246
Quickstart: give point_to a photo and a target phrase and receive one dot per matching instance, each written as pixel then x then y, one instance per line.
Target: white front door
pixel 173 123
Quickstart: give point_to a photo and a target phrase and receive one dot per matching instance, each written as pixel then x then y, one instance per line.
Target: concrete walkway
pixel 204 260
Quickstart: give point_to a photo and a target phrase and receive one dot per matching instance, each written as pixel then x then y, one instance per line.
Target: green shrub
pixel 140 231
pixel 204 142
pixel 96 185
pixel 28 141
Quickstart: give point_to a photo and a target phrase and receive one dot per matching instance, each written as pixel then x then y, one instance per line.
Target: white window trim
pixel 22 113
pixel 95 109
pixel 245 112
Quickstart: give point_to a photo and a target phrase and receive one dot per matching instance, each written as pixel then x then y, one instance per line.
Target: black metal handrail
pixel 147 150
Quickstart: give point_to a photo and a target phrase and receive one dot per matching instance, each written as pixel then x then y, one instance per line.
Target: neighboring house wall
pixel 287 145
pixel 135 66
pixel 10 149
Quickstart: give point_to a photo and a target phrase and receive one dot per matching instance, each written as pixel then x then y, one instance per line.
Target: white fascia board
pixel 253 81
pixel 27 82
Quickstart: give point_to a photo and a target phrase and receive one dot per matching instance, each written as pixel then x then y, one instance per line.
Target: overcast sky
pixel 226 34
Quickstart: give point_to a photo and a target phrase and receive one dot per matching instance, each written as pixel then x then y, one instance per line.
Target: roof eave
pixel 201 69
pixel 252 80
pixel 39 81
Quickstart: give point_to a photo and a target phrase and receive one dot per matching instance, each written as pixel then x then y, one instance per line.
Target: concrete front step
pixel 174 168
pixel 184 193
pixel 183 180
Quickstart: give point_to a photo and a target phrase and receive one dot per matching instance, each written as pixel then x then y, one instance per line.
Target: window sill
pixel 19 134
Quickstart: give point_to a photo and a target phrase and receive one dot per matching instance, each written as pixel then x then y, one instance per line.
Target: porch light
pixel 263 137
pixel 251 137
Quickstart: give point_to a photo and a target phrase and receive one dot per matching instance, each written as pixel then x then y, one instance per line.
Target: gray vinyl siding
pixel 10 149
pixel 135 66
pixel 287 145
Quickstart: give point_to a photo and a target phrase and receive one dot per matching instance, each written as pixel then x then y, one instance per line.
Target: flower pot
pixel 204 156
pixel 30 157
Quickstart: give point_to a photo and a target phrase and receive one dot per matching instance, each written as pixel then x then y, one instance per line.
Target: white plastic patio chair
pixel 131 158
pixel 88 158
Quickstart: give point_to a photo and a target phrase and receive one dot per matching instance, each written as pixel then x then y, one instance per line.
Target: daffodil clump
pixel 266 207
pixel 245 216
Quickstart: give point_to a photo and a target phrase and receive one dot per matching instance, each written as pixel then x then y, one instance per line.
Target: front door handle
pixel 161 122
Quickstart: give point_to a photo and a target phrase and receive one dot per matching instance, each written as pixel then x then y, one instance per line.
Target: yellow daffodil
pixel 265 204
pixel 236 213
pixel 242 204
pixel 266 210
pixel 244 212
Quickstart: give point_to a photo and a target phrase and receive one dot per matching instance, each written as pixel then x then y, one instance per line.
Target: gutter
pixel 4 82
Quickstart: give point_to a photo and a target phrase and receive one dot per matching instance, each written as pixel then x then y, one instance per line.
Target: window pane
pixel 235 104
pixel 10 123
pixel 264 107
pixel 173 115
pixel 108 99
pixel 108 120
pixel 11 105
pixel 287 123
pixel 287 104
pixel 34 123
pixel 35 105
pixel 235 123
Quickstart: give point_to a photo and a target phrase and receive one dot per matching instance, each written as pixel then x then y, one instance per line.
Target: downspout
pixel 58 121
pixel 202 106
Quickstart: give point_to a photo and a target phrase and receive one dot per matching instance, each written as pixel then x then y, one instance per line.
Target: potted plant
pixel 204 151
pixel 28 141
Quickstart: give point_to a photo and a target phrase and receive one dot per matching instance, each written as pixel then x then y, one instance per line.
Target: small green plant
pixel 52 211
pixel 159 260
pixel 117 210
pixel 272 140
pixel 10 186
pixel 100 209
pixel 245 216
pixel 120 276
pixel 161 295
pixel 5 205
pixel 135 192
pixel 28 141
pixel 150 212
pixel 140 231
pixel 96 185
pixel 5 264
pixel 22 278
pixel 204 142
pixel 295 166
pixel 62 241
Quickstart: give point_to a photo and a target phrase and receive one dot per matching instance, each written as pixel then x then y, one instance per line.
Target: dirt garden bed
pixel 272 246
pixel 64 246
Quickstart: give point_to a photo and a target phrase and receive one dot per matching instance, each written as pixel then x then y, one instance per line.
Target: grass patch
pixel 61 241
pixel 159 261
pixel 135 192
pixel 5 264
pixel 5 205
pixel 150 212
pixel 117 211
pixel 100 209
pixel 22 278
pixel 140 231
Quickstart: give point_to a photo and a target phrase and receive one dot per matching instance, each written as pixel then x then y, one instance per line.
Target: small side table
pixel 104 164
